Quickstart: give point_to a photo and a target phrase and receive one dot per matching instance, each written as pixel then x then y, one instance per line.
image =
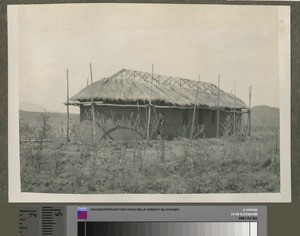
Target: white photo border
pixel 15 194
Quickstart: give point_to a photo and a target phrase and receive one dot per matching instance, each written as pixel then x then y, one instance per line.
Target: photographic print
pixel 136 102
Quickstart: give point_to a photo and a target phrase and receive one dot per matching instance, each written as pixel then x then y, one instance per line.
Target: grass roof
pixel 129 86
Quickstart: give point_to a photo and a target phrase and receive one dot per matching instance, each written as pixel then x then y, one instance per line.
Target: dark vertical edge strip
pixel 295 101
pixel 3 105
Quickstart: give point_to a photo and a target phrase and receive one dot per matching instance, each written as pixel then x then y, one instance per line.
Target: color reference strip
pixel 167 228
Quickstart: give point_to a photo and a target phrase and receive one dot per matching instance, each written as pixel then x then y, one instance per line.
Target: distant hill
pixel 32 115
pixel 29 106
pixel 269 116
pixel 30 120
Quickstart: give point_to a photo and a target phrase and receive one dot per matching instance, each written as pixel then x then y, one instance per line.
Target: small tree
pixel 38 135
pixel 44 127
pixel 43 133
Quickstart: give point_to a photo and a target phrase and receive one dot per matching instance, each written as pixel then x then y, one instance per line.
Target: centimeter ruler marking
pixel 40 220
pixel 29 219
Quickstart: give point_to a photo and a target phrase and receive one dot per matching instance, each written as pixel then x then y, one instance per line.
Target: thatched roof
pixel 132 87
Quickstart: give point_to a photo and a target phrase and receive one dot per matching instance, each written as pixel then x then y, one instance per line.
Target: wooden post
pixel 218 111
pixel 249 111
pixel 234 118
pixel 194 112
pixel 93 109
pixel 149 111
pixel 68 113
pixel 274 158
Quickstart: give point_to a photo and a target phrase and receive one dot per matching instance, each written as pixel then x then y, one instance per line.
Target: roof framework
pixel 172 81
pixel 166 80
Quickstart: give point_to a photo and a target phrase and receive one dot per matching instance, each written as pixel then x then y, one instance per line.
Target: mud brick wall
pixel 175 119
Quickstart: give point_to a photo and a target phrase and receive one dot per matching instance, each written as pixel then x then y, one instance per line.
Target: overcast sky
pixel 238 42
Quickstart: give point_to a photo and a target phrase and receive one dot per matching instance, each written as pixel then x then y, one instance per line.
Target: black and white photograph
pixel 149 102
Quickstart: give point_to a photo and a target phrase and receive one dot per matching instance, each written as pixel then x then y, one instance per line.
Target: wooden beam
pixel 234 111
pixel 218 111
pixel 194 113
pixel 92 103
pixel 68 112
pixel 249 111
pixel 149 111
pixel 234 118
pixel 100 103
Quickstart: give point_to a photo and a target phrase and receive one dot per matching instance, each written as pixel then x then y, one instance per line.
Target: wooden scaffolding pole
pixel 149 111
pixel 249 111
pixel 68 113
pixel 218 111
pixel 93 108
pixel 194 112
pixel 234 115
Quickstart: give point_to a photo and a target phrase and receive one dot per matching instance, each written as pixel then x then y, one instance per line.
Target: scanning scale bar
pixel 167 228
pixel 167 220
pixel 142 220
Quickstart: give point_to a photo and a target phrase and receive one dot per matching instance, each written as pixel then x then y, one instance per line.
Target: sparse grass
pixel 232 164
pixel 211 165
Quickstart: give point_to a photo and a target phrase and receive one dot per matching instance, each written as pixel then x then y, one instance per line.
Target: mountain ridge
pixel 267 115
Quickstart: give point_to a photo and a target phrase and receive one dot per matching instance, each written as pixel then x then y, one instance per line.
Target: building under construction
pixel 153 104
